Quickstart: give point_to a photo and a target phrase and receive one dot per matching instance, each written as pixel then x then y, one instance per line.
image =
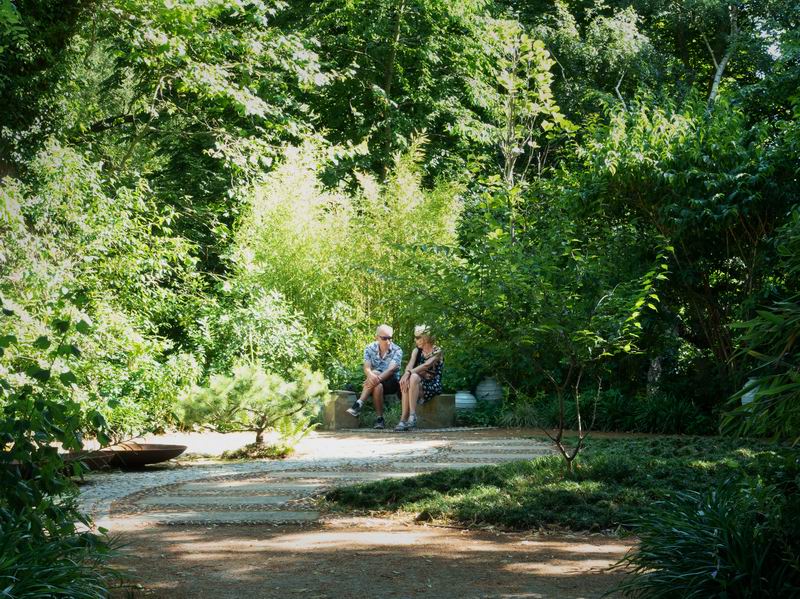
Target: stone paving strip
pixel 251 486
pixel 206 500
pixel 238 517
pixel 228 493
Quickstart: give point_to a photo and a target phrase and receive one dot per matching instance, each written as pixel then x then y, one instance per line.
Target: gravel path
pixel 193 490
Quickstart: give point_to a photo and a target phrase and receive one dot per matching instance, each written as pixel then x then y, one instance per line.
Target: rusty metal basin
pixel 136 455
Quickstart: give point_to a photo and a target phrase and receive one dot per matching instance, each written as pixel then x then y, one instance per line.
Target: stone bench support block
pixel 335 416
pixel 440 412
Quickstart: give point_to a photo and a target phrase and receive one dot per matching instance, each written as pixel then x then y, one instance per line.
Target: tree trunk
pixel 720 66
pixel 654 376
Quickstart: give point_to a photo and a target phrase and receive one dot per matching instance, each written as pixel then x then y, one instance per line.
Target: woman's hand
pixel 404 381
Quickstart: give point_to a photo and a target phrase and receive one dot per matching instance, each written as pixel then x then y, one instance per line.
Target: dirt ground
pixel 363 557
pixel 346 557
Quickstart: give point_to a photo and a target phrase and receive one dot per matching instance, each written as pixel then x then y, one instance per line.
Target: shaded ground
pixel 333 555
pixel 362 557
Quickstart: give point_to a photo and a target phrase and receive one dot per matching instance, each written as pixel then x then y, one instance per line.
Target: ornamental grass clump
pixel 740 540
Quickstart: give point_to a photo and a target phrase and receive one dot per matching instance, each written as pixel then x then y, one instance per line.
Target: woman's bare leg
pixel 414 389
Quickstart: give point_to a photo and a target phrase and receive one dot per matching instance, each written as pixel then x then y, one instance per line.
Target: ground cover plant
pixel 615 482
pixel 741 539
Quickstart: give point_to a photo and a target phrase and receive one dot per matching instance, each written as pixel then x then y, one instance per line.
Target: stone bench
pixel 440 412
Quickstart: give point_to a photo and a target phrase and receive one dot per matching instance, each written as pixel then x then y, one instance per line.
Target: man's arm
pixel 389 372
pixel 369 375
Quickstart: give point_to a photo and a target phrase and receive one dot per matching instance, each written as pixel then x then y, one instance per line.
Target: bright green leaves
pixel 524 109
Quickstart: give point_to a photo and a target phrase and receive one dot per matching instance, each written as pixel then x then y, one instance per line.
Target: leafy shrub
pixel 740 540
pixel 62 563
pixel 252 399
pixel 254 324
pixel 128 378
pixel 770 340
pixel 614 412
pixel 63 229
pixel 42 554
pixel 661 413
pixel 486 413
pixel 524 412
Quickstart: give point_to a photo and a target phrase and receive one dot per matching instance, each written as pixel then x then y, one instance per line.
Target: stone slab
pixel 440 412
pixel 334 415
pixel 206 500
pixel 224 517
pixel 344 475
pixel 250 486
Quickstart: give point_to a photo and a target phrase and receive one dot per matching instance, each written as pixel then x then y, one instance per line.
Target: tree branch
pixel 619 95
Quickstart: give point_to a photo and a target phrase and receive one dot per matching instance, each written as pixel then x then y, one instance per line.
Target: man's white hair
pixel 389 330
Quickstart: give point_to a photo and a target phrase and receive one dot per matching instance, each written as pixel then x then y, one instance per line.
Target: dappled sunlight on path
pixel 368 558
pixel 252 529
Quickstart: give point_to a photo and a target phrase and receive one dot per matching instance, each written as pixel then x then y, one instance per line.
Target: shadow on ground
pixel 362 557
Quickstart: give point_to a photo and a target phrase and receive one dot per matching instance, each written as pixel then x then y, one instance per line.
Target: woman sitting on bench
pixel 422 379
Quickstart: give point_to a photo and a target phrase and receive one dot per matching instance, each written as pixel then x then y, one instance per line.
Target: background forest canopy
pixel 577 196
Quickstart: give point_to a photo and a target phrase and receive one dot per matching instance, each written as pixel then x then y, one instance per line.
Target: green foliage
pixel 611 410
pixel 65 564
pixel 769 404
pixel 252 399
pixel 737 540
pixel 250 323
pixel 41 550
pixel 343 263
pixel 486 413
pixel 706 185
pixel 421 65
pixel 615 483
pixel 66 231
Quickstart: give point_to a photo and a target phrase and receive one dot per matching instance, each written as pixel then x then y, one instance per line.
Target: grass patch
pixel 615 482
pixel 258 452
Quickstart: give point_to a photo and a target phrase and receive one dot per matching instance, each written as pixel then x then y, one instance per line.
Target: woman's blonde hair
pixel 422 329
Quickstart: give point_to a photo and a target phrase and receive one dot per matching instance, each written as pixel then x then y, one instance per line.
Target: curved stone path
pixel 268 491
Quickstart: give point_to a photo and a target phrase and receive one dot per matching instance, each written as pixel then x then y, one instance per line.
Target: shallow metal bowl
pixel 136 455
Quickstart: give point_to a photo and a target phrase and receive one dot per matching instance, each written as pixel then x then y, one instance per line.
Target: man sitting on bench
pixel 382 360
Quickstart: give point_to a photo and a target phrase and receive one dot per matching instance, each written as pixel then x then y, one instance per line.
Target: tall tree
pixel 402 66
